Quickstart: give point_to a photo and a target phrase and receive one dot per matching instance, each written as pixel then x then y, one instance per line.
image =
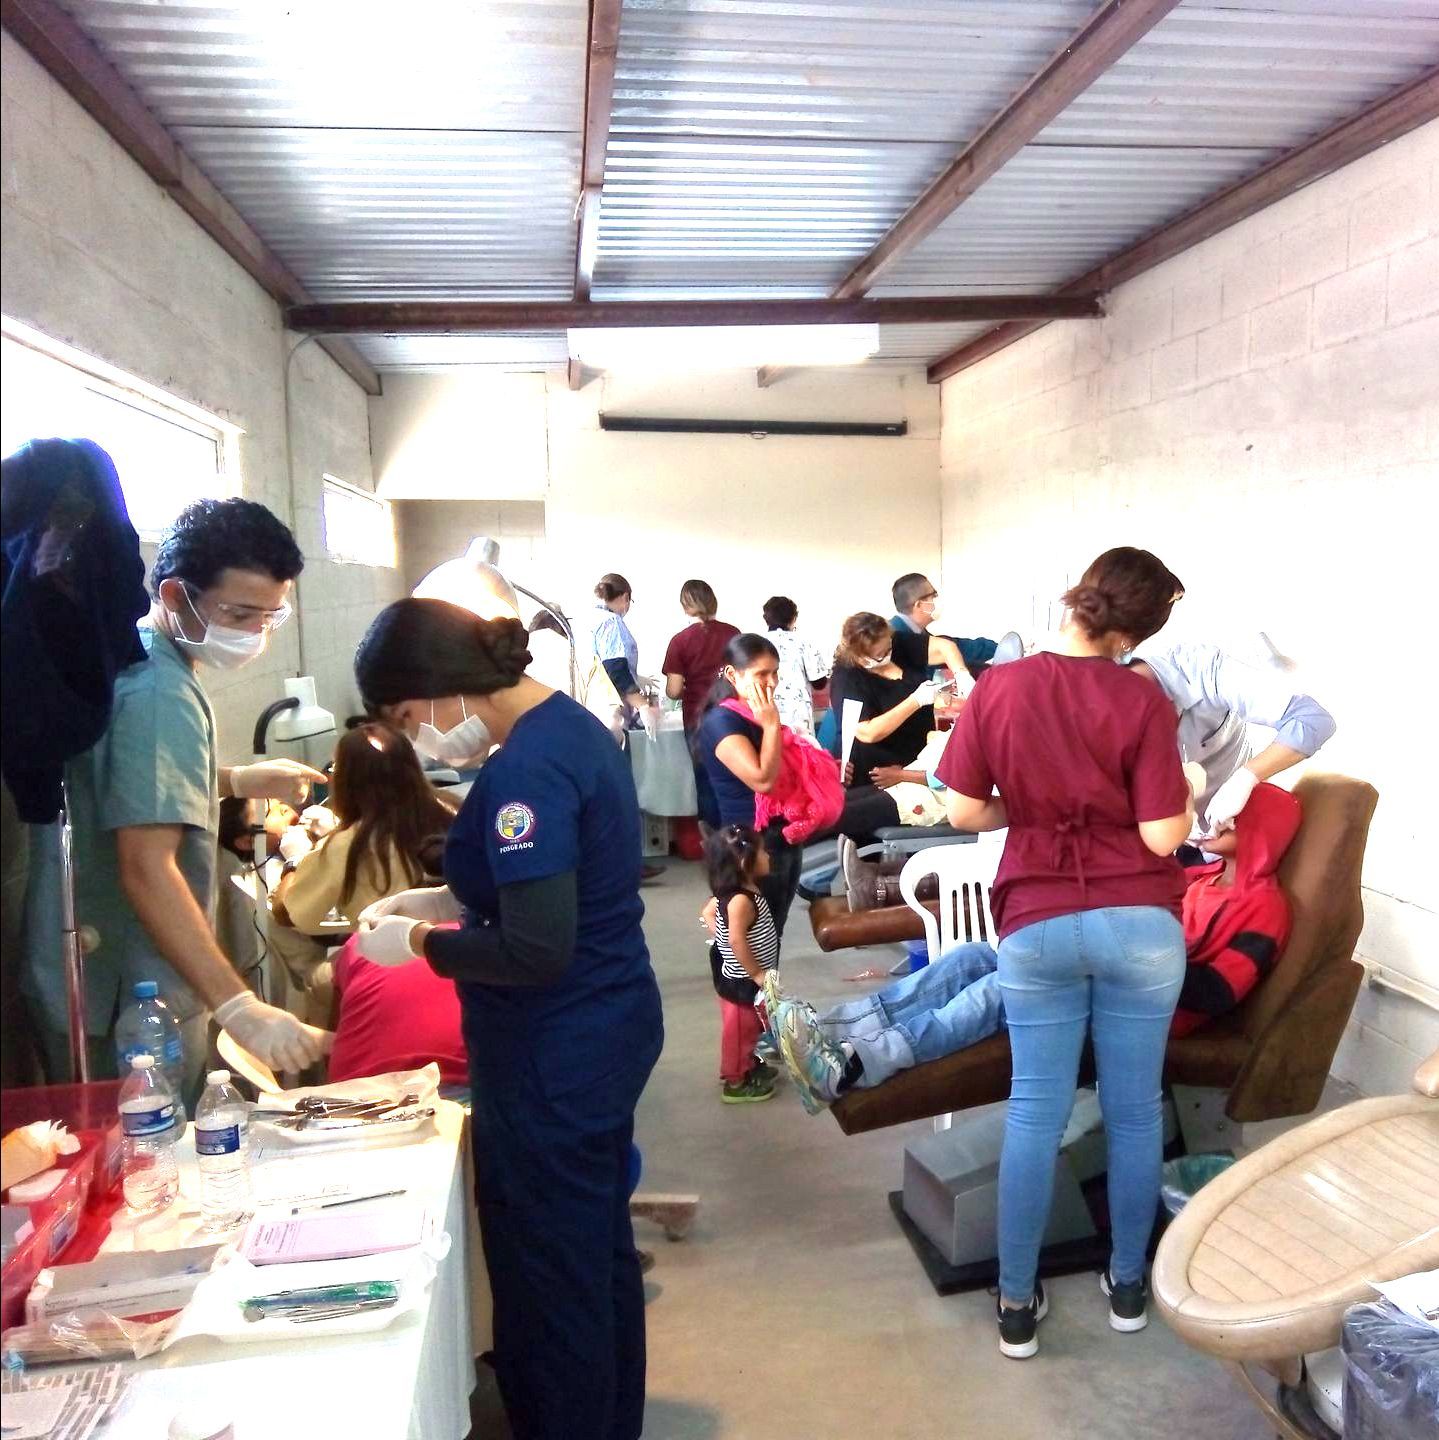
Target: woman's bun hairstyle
pixel 1127 591
pixel 611 587
pixel 428 649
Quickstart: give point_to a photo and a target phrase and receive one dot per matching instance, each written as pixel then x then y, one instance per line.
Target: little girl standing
pixel 746 944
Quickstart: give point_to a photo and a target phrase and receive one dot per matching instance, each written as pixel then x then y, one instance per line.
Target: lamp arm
pixel 277 707
pixel 550 609
pixel 567 627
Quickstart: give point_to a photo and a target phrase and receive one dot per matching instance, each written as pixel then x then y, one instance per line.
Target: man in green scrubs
pixel 145 806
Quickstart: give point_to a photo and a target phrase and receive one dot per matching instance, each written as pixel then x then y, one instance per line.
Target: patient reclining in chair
pixel 1236 923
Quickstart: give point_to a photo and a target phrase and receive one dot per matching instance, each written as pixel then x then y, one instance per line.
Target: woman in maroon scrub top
pixel 1086 903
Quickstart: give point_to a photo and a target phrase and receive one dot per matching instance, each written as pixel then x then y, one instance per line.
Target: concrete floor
pixel 796 1307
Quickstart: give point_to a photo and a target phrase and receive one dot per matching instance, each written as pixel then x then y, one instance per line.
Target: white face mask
pixel 223 648
pixel 871 663
pixel 461 746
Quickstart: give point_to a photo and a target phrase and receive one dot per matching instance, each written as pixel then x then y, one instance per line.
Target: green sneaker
pixel 750 1091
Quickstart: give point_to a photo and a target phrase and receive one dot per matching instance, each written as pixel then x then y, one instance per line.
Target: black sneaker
pixel 1017 1328
pixel 1127 1302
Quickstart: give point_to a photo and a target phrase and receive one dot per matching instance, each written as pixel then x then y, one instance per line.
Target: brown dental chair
pixel 1271 1055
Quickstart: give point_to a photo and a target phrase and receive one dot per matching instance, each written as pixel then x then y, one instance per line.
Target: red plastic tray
pixel 71 1223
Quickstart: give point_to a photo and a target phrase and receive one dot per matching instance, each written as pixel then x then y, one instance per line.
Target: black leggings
pixel 780 885
pixel 867 808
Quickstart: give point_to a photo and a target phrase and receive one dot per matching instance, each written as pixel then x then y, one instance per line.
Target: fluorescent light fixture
pixel 724 347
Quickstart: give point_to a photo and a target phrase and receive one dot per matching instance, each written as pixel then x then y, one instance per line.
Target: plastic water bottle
pixel 147 1118
pixel 149 1027
pixel 222 1148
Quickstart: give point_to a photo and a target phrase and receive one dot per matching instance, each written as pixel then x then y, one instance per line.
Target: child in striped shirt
pixel 746 945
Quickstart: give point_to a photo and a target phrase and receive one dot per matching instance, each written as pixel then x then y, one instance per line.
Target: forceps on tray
pixel 317 1109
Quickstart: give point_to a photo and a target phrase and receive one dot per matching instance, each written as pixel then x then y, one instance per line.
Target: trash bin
pixel 1391 1374
pixel 1181 1178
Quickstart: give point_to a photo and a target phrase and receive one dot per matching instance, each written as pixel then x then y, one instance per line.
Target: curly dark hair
pixel 214 535
pixel 427 649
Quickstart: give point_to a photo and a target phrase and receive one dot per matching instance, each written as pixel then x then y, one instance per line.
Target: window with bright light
pixel 359 528
pixel 167 452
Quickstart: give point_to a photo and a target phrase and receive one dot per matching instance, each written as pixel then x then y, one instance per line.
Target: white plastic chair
pixel 965 873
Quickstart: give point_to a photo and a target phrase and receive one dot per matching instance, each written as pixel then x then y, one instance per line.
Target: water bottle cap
pixel 146 989
pixel 141 1062
pixel 218 1077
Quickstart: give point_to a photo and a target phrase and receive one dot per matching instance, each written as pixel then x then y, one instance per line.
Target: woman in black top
pixel 888 673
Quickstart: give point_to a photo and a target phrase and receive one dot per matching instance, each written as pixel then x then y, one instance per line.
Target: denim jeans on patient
pixel 946 1006
pixel 1114 973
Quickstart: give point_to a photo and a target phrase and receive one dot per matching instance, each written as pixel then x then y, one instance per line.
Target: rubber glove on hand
pixel 286 780
pixel 434 903
pixel 924 694
pixel 650 719
pixel 294 843
pixel 387 942
pixel 1230 799
pixel 272 1035
pixel 319 821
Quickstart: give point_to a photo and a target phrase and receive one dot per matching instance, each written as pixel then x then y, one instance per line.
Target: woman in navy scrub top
pixel 561 1011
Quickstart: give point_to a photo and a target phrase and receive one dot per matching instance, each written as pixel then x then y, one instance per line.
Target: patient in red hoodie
pixel 1236 919
pixel 1236 924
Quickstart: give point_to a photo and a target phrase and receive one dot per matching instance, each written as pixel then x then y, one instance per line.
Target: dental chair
pixel 1268 1059
pixel 1259 1267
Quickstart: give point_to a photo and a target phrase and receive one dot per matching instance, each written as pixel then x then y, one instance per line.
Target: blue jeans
pixel 944 1007
pixel 1115 973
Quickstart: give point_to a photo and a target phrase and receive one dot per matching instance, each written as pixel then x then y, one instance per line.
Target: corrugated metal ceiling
pixel 759 147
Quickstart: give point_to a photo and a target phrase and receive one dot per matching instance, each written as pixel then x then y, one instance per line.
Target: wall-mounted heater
pixel 758 429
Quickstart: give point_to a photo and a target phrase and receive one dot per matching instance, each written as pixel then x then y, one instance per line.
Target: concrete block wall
pixel 1263 412
pixel 438 530
pixel 96 255
pixel 830 521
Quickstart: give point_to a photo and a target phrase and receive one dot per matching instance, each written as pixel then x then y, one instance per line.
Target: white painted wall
pixel 1263 412
pixel 829 521
pixel 98 256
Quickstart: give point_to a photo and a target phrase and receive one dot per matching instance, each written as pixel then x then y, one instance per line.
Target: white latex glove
pixel 387 941
pixel 272 1035
pixel 295 843
pixel 435 903
pixel 1230 799
pixel 650 719
pixel 923 695
pixel 286 780
pixel 319 820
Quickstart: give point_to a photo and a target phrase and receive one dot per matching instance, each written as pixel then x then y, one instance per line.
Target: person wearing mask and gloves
pixel 145 807
pixel 1218 697
pixel 560 1007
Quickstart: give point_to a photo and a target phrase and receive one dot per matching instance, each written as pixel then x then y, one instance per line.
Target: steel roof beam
pixel 484 317
pixel 1396 114
pixel 1108 34
pixel 601 52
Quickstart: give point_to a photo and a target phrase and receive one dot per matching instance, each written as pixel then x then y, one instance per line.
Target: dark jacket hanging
pixel 71 591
